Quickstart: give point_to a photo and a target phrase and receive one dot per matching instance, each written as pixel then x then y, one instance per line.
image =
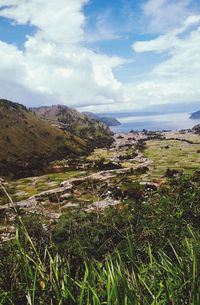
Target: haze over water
pixel 169 121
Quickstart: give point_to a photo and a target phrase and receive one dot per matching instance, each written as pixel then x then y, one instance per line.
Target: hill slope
pixel 195 115
pixel 27 141
pixel 94 132
pixel 108 121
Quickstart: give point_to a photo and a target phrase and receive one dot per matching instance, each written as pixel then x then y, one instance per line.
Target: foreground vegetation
pixel 143 251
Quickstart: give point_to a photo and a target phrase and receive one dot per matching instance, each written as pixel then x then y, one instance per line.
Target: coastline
pixel 159 122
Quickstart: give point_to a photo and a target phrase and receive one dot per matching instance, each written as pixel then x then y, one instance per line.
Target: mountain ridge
pixel 94 132
pixel 29 142
pixel 107 120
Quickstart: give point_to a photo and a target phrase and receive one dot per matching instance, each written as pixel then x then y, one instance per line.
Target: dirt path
pixel 68 185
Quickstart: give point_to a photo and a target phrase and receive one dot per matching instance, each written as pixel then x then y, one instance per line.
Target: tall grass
pixel 159 278
pixel 32 273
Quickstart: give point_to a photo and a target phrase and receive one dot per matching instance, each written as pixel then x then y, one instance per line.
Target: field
pixel 177 151
pixel 172 154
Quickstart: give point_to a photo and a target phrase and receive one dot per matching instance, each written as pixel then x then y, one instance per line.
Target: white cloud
pixel 59 21
pixel 168 41
pixel 163 15
pixel 102 30
pixel 175 79
pixel 54 63
pixel 56 67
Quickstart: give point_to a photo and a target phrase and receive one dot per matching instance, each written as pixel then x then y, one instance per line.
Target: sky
pixel 100 55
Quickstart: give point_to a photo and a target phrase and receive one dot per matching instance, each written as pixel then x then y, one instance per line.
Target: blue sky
pixel 100 55
pixel 13 33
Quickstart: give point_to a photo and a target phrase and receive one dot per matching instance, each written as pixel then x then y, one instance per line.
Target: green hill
pixel 27 141
pixel 94 132
pixel 108 121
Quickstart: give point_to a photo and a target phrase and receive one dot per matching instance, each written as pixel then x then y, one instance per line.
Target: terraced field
pixel 172 154
pixel 24 188
pixel 177 151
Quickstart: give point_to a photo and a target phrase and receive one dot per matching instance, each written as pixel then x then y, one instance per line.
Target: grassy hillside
pixel 27 141
pixel 108 121
pixel 93 131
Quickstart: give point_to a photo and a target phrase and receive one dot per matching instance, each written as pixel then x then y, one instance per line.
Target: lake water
pixel 172 121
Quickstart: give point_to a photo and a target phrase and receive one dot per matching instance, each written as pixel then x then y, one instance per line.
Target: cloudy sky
pixel 100 55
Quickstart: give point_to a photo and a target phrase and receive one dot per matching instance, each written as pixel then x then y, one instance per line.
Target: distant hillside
pixel 196 129
pixel 195 115
pixel 91 115
pixel 27 141
pixel 108 121
pixel 95 133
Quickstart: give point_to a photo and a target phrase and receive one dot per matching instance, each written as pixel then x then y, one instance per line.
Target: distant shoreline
pixel 159 122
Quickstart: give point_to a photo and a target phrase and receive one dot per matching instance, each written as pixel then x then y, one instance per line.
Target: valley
pixel 105 177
